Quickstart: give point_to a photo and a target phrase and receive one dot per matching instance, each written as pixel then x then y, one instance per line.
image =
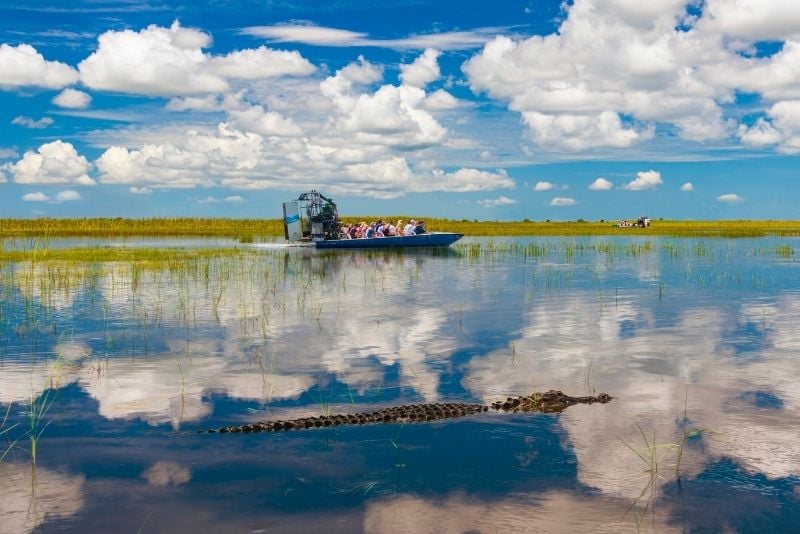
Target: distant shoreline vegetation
pixel 248 230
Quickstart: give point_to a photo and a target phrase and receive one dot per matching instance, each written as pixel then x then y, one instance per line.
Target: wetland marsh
pixel 113 353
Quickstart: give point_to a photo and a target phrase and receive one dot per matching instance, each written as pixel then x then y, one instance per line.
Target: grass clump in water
pixel 159 256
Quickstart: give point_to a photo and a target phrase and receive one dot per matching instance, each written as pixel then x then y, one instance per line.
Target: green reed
pixel 250 230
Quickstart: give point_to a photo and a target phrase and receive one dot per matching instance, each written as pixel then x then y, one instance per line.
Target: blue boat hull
pixel 434 239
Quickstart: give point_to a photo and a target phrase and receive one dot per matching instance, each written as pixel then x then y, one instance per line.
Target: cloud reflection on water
pixel 275 331
pixel 573 342
pixel 555 511
pixel 31 495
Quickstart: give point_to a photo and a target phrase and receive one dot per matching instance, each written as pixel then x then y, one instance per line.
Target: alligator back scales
pixel 549 402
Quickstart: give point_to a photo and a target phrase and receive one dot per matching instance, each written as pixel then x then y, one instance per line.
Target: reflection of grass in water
pixel 568 251
pixel 65 271
pixel 784 251
pixel 360 489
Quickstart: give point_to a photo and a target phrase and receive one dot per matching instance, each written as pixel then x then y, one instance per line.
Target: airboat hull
pixel 433 239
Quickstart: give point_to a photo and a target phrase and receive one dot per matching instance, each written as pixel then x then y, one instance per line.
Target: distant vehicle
pixel 313 217
pixel 641 222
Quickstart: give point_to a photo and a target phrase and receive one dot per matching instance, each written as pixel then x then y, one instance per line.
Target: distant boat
pixel 431 239
pixel 322 226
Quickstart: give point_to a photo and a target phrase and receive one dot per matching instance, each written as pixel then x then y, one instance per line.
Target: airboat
pixel 314 218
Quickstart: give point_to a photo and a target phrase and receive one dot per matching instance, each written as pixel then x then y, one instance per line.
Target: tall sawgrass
pixel 155 227
pixel 246 230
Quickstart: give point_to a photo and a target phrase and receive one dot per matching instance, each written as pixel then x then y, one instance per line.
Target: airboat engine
pixel 321 221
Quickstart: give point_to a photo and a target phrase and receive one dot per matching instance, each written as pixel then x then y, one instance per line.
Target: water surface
pixel 112 367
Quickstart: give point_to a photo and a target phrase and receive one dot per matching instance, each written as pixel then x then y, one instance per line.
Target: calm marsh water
pixel 113 367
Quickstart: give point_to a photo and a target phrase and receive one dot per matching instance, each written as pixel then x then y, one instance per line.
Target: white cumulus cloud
pixel 72 99
pixel 601 184
pixel 563 201
pixel 616 69
pixel 349 133
pixel 464 181
pixel 391 116
pixel 228 157
pixel 23 66
pixel 53 163
pixel 761 133
pixel 688 186
pixel 155 61
pixel 67 196
pixel 139 190
pixel 392 178
pixel 440 100
pixel 495 202
pixel 206 103
pixel 730 198
pixel 269 123
pixel 162 165
pixel 160 61
pixel 340 88
pixel 752 19
pixel 544 186
pixel 35 197
pixel 780 127
pixel 579 132
pixel 644 180
pixel 260 63
pixel 424 69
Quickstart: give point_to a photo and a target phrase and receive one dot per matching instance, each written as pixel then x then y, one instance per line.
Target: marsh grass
pixel 250 230
pixel 652 456
pixel 155 257
pixel 244 229
pixel 38 409
pixel 5 434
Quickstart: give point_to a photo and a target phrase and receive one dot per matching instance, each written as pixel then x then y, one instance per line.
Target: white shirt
pixel 409 229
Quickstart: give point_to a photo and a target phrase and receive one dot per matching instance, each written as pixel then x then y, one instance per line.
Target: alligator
pixel 549 402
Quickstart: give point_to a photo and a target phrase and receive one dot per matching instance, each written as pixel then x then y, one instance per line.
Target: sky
pixel 538 109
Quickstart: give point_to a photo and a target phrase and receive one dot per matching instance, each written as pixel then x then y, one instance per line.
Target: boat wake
pixel 274 246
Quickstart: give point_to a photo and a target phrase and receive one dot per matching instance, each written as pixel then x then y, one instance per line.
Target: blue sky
pixel 525 109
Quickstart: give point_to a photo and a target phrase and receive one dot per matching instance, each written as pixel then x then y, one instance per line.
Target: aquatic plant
pixel 651 455
pixel 5 434
pixel 36 412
